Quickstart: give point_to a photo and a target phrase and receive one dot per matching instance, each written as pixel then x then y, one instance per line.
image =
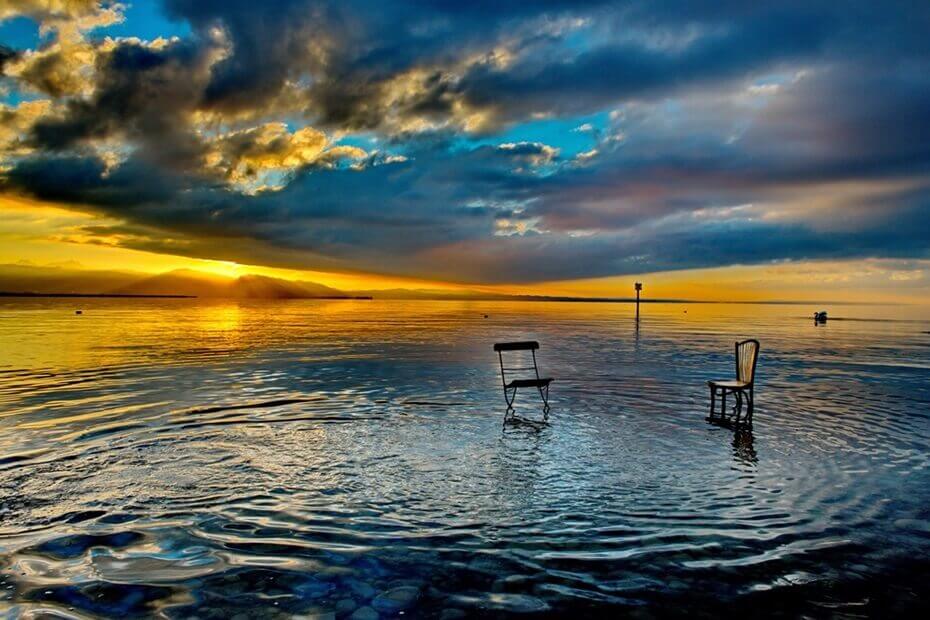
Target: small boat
pixel 820 317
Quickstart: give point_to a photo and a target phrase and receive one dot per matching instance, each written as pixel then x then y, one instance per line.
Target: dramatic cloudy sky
pixel 477 142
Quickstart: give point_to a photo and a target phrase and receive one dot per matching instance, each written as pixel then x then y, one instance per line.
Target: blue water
pixel 183 458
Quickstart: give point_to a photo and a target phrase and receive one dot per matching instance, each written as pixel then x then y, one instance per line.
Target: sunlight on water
pixel 185 458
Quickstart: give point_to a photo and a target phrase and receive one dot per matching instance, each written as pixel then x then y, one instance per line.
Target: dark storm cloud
pixel 616 72
pixel 854 121
pixel 347 53
pixel 84 181
pixel 361 41
pixel 685 241
pixel 318 208
pixel 271 41
pixel 739 133
pixel 141 94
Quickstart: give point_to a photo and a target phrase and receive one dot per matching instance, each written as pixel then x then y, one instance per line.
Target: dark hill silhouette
pixel 264 287
pixel 199 284
pixel 45 280
pixel 178 282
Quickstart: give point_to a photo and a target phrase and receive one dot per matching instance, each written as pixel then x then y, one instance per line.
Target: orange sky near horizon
pixel 44 234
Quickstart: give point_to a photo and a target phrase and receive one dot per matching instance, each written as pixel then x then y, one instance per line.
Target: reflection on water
pixel 189 458
pixel 743 447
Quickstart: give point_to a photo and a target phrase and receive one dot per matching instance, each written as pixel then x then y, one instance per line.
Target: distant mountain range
pixel 186 282
pixel 26 279
pixel 19 279
pixel 198 284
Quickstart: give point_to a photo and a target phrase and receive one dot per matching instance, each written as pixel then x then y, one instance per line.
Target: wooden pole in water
pixel 639 287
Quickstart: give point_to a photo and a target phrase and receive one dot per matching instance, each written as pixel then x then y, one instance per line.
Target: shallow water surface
pixel 180 458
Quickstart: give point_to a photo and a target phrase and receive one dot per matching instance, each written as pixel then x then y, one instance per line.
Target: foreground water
pixel 182 458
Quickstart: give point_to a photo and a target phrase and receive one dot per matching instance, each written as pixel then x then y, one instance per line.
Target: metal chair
pixel 511 386
pixel 747 354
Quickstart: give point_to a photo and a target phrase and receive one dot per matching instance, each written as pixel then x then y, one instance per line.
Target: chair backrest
pixel 526 345
pixel 747 354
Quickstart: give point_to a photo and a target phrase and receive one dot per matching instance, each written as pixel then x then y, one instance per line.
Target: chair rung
pixel 518 383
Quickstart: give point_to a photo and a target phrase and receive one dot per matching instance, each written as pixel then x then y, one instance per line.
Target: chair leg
pixel 713 397
pixel 510 400
pixel 544 394
pixel 723 403
pixel 738 409
pixel 751 405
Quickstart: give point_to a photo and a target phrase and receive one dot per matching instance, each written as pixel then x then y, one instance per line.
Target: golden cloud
pixel 16 120
pixel 48 9
pixel 245 157
pixel 66 66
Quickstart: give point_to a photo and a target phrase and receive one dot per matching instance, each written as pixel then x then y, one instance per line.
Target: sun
pixel 224 268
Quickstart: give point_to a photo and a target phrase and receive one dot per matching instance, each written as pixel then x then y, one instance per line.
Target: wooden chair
pixel 747 354
pixel 534 381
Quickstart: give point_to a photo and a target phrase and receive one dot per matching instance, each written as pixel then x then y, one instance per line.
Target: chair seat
pixel 730 385
pixel 519 383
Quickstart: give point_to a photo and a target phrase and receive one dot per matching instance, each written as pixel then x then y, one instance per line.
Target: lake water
pixel 181 458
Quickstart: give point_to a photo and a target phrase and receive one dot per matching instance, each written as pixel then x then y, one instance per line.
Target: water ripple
pixel 299 458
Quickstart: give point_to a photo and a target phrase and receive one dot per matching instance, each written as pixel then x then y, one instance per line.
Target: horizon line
pixel 460 297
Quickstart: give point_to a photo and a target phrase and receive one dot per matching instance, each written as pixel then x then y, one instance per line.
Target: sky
pixel 716 150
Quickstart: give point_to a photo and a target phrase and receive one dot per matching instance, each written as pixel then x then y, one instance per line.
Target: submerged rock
pixel 361 589
pixel 345 606
pixel 396 599
pixel 313 588
pixel 364 613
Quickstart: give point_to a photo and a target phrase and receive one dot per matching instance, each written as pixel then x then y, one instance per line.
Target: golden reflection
pixel 223 317
pixel 93 415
